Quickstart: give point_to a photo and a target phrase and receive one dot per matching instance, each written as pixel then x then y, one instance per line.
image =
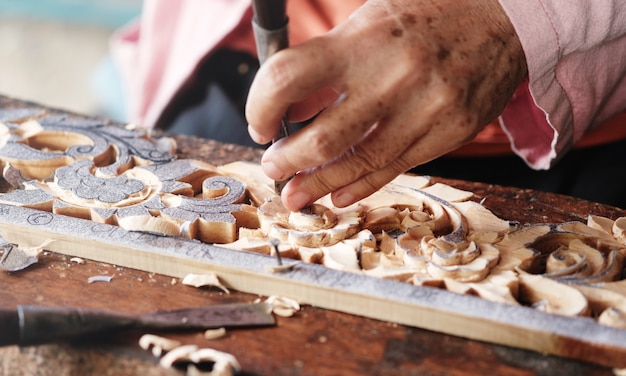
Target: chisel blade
pixel 224 315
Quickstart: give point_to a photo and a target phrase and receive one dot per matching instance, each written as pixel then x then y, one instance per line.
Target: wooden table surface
pixel 313 342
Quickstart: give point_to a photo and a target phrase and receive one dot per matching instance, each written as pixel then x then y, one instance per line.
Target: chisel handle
pixel 9 327
pixel 270 26
pixel 34 325
pixel 270 14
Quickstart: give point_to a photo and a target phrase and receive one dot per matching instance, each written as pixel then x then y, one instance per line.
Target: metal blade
pixel 217 316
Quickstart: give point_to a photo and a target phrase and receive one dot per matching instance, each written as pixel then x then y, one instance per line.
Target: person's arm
pixel 576 57
pixel 401 82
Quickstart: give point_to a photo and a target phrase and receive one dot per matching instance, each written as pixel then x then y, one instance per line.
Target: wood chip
pixel 77 260
pixel 224 364
pixel 159 345
pixel 100 278
pixel 283 306
pixel 177 355
pixel 16 257
pixel 202 280
pixel 212 334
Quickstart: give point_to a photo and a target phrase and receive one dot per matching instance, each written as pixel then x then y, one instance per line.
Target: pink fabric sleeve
pixel 576 55
pixel 157 53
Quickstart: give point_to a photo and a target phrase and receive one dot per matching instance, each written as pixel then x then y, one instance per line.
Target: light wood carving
pixel 428 238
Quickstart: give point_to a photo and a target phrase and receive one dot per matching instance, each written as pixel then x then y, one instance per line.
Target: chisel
pixel 270 25
pixel 33 325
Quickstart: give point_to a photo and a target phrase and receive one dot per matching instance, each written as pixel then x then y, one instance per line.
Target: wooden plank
pixel 424 307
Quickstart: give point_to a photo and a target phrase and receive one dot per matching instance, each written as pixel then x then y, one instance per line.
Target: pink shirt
pixel 158 52
pixel 576 54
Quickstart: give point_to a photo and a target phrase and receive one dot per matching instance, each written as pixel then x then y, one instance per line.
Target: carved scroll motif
pixel 108 174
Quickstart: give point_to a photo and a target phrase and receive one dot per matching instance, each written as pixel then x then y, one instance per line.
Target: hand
pixel 400 83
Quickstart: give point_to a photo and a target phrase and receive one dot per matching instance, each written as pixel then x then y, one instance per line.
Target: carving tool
pixel 275 243
pixel 32 325
pixel 270 25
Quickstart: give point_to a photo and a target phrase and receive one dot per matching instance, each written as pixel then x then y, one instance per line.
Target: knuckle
pixel 401 164
pixel 323 146
pixel 443 95
pixel 369 184
pixel 366 160
pixel 320 184
pixel 279 74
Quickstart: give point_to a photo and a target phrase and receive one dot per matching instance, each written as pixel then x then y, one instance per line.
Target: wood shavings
pixel 100 278
pixel 224 364
pixel 177 355
pixel 159 345
pixel 212 334
pixel 202 280
pixel 16 257
pixel 77 260
pixel 283 306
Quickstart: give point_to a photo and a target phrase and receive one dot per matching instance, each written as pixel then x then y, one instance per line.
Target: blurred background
pixel 55 52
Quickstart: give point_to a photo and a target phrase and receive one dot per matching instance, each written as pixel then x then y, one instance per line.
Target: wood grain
pixel 308 343
pixel 429 308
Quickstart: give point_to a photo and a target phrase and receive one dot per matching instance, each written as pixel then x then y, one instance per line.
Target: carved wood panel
pixel 416 253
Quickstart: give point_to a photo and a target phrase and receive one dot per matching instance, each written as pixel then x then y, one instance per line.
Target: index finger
pixel 288 77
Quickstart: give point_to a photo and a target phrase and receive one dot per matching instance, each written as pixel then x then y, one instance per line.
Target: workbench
pixel 313 342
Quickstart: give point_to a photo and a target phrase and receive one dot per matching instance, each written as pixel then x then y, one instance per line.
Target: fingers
pixel 312 105
pixel 308 186
pixel 335 177
pixel 390 148
pixel 331 134
pixel 418 153
pixel 288 77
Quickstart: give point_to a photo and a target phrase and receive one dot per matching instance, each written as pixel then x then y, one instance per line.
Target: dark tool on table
pixel 270 25
pixel 32 325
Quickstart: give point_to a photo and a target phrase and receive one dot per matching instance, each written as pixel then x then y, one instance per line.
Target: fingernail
pixel 298 200
pixel 272 171
pixel 343 199
pixel 256 137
